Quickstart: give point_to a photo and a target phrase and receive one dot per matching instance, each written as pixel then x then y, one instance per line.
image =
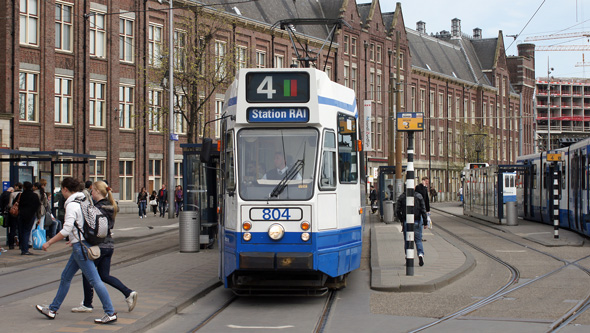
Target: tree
pixel 204 63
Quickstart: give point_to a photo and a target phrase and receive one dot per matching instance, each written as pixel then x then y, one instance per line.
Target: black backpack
pixel 96 223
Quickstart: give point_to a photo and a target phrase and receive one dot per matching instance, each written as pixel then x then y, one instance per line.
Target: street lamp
pixel 479 143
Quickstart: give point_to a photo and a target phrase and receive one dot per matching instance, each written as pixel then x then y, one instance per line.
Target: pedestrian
pixel 419 216
pixel 87 190
pixel 142 202
pixel 162 200
pixel 27 213
pixel 38 189
pixel 373 198
pixel 154 202
pixel 74 220
pixel 4 199
pixel 13 220
pixel 50 224
pixel 433 194
pixel 423 189
pixel 178 199
pixel 103 197
pixel 390 191
pixel 460 194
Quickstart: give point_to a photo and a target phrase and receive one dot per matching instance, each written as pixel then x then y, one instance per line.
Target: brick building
pixel 77 77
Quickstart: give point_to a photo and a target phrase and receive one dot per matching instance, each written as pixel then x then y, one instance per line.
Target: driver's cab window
pixel 229 161
pixel 347 152
pixel 328 167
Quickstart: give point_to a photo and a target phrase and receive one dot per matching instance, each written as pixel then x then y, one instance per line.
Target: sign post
pixel 410 122
pixel 554 174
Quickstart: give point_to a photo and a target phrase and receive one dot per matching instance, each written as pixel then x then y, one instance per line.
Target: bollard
pixel 511 215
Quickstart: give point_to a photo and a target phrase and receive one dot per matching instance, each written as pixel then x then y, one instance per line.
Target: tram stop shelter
pixel 33 166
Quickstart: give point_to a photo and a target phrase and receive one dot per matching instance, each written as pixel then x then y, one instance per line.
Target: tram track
pixel 141 256
pixel 506 289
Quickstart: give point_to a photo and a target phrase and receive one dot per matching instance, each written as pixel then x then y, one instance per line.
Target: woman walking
pixel 154 202
pixel 103 198
pixel 142 202
pixel 178 199
pixel 27 212
pixel 71 190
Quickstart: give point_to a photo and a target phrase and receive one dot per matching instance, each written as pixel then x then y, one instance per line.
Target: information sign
pixel 410 121
pixel 277 87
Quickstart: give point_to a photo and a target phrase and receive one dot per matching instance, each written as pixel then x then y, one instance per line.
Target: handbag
pixel 39 238
pixel 14 209
pixel 92 252
pixel 153 202
pixel 48 219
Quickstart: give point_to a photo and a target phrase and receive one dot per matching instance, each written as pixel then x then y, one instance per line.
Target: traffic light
pixel 477 165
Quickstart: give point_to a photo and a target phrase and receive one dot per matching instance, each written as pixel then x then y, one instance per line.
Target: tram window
pixel 563 176
pixel 347 154
pixel 229 162
pixel 534 176
pixel 328 173
pixel 583 172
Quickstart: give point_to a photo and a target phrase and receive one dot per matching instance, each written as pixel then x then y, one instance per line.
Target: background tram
pixel 291 211
pixel 535 187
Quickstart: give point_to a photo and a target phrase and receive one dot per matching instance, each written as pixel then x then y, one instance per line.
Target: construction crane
pixel 563 48
pixel 558 36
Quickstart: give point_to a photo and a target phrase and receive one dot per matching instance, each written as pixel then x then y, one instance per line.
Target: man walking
pixel 162 200
pixel 419 216
pixel 423 190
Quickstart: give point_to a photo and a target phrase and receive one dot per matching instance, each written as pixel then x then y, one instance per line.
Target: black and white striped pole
pixel 555 201
pixel 410 207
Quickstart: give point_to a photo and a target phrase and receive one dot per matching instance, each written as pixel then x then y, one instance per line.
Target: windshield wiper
pixel 291 173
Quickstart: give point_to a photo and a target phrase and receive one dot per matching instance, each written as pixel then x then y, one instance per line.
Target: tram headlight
pixel 247 225
pixel 305 225
pixel 247 236
pixel 305 236
pixel 276 231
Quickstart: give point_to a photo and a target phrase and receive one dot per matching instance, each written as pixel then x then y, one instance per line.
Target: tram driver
pixel 280 168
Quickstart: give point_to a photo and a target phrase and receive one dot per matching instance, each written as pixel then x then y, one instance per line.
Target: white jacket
pixel 73 215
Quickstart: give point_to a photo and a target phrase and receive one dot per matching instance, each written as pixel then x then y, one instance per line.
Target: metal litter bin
pixel 189 229
pixel 388 215
pixel 511 215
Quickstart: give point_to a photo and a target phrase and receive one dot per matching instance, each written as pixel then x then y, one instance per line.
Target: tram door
pixel 577 179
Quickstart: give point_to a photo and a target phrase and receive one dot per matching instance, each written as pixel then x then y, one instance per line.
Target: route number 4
pixel 265 87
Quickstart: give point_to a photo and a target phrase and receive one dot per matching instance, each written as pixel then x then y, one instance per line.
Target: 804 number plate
pixel 276 214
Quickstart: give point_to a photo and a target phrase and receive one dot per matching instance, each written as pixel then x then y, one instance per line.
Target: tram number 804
pixel 275 214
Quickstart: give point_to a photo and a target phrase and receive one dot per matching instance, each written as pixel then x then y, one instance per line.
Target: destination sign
pixel 277 87
pixel 410 121
pixel 278 115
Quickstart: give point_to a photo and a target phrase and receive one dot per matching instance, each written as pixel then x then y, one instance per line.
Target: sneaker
pixel 421 260
pixel 141 217
pixel 45 311
pixel 106 319
pixel 131 300
pixel 81 309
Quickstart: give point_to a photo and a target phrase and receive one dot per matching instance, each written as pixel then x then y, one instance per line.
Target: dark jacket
pixel 142 196
pixel 4 199
pixel 419 207
pixel 28 206
pixel 373 195
pixel 162 195
pixel 424 192
pixel 109 211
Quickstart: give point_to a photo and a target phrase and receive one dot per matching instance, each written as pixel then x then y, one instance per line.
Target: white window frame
pixel 346 75
pixel 98 34
pixel 179 50
pixel 177 175
pixel 431 143
pixel 29 22
pixel 126 191
pixel 218 111
pixel 179 123
pixel 28 96
pixel 241 57
pixel 126 39
pixel 155 36
pixel 372 84
pixel 155 174
pixel 98 104
pixel 93 164
pixel 472 112
pixel 260 59
pixel 220 53
pixel 61 171
pixel 485 112
pixel 353 46
pixel 379 93
pixel 155 98
pixel 126 106
pixel 63 100
pixel 65 31
pixel 279 61
pixel 441 134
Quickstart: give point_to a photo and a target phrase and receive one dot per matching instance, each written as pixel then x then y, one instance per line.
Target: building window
pixel 431 142
pixel 201 116
pixel 28 96
pixel 126 180
pixel 413 99
pixel 179 106
pixel 177 175
pixel 372 52
pixel 473 112
pixel 485 111
pixel 346 44
pixel 379 134
pixel 353 46
pixel 220 65
pixel 97 170
pixel 218 111
pixel 379 92
pixel 449 106
pixel 457 108
pixel 126 40
pixel 154 45
pixel 260 59
pixel 379 54
pixel 29 18
pixel 98 40
pixel 279 61
pixel 97 104
pixel 432 111
pixel 372 84
pixel 346 75
pixel 63 100
pixel 126 107
pixel 179 50
pixel 155 109
pixel 242 58
pixel 61 171
pixel 441 107
pixel 353 77
pixel 422 138
pixel 155 175
pixel 63 27
pixel 441 134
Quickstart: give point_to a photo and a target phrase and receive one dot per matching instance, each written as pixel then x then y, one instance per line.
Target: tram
pixel 291 212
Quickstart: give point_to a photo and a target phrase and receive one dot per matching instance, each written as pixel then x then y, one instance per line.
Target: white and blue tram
pixel 291 211
pixel 534 187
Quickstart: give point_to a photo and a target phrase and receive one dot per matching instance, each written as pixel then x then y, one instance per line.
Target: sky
pixel 511 16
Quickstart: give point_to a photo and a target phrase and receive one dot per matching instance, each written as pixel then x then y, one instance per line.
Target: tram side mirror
pixel 206 150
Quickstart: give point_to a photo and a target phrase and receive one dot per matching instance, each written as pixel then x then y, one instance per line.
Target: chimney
pixel 421 27
pixel 526 50
pixel 477 33
pixel 456 28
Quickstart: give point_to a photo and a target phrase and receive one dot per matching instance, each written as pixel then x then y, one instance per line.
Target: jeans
pixel 418 225
pixel 178 206
pixel 162 206
pixel 103 265
pixel 76 262
pixel 24 233
pixel 142 208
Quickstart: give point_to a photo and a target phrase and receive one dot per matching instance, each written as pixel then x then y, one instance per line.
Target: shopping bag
pixel 39 238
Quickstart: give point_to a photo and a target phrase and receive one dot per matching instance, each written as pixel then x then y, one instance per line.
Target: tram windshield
pixel 276 164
